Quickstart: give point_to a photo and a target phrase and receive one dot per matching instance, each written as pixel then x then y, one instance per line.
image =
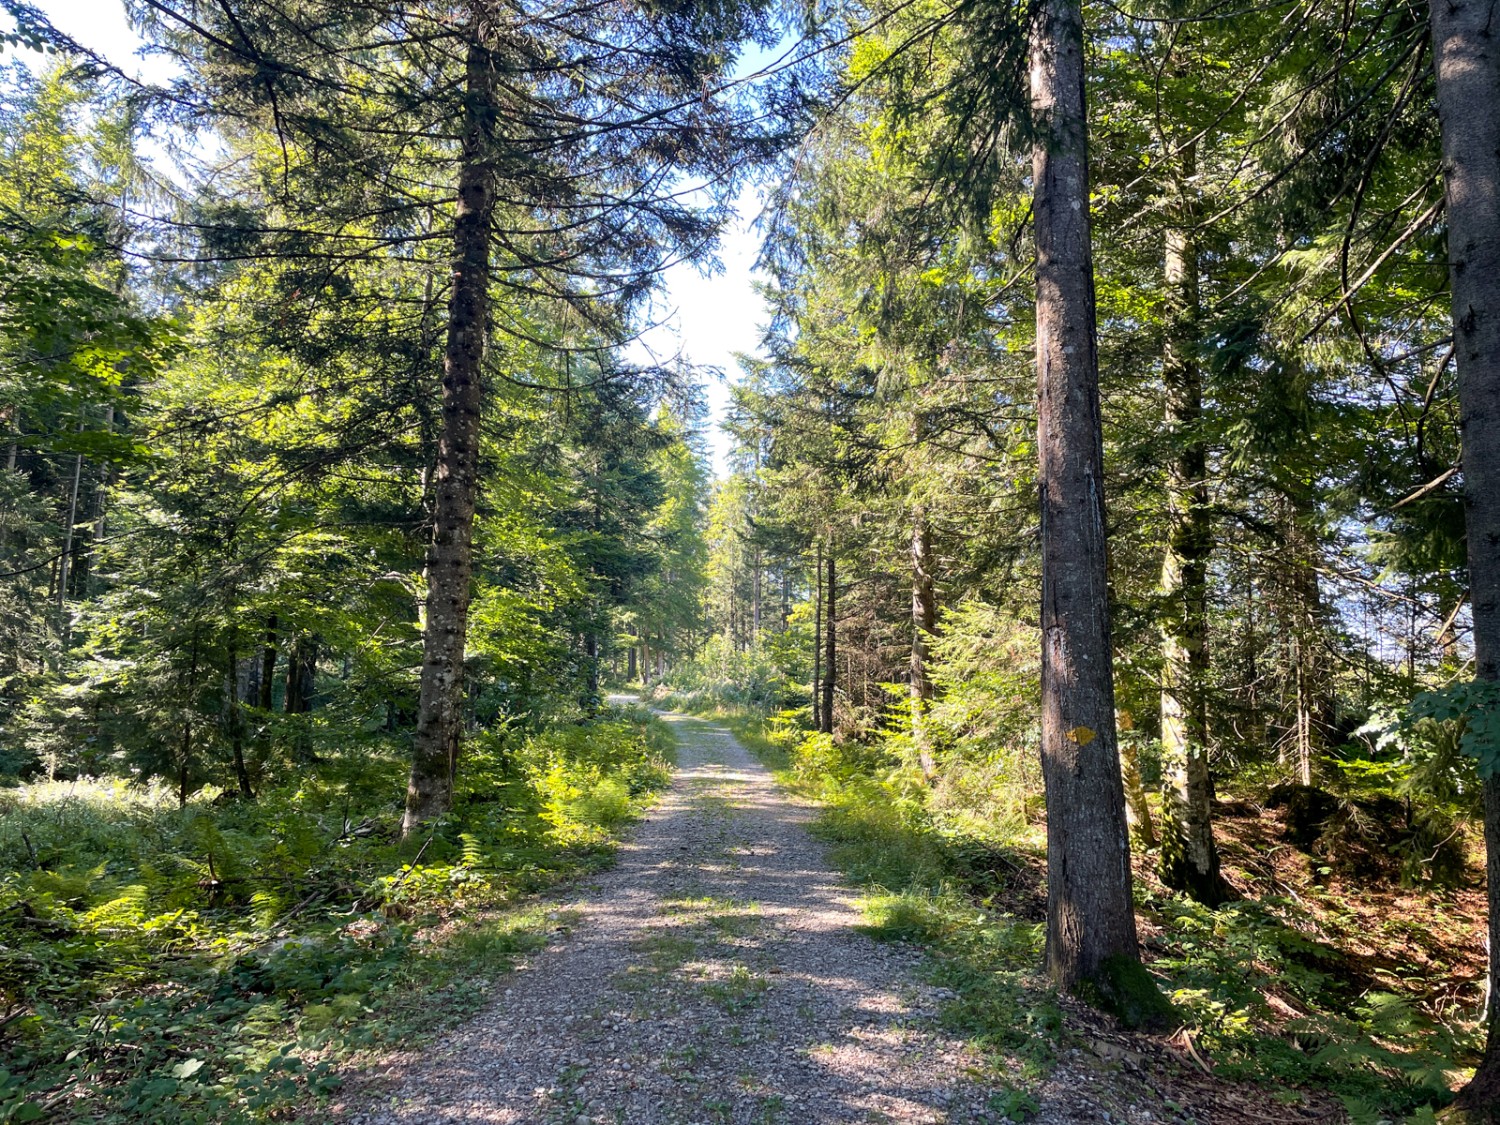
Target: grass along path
pixel 717 974
pixel 721 974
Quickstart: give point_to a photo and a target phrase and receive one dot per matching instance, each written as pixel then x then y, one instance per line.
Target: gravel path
pixel 714 975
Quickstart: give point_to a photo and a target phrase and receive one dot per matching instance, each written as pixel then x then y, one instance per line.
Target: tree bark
pixel 817 669
pixel 755 594
pixel 1090 916
pixel 830 646
pixel 234 720
pixel 268 667
pixel 439 731
pixel 923 628
pixel 1312 702
pixel 590 699
pixel 1189 857
pixel 65 558
pixel 1466 52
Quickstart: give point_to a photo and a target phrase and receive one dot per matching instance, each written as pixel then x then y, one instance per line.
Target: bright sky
pixel 707 319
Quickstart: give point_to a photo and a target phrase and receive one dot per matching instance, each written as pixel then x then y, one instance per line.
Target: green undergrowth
pixel 218 962
pixel 1257 991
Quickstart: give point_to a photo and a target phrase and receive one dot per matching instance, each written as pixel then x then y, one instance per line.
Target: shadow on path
pixel 714 975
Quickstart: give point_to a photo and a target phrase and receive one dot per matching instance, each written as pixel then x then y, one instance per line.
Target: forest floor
pixel 722 973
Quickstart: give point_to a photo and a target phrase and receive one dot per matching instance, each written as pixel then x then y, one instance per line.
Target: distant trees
pixel 543 163
pixel 274 484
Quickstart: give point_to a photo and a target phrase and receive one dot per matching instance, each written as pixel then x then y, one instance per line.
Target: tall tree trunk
pixel 268 667
pixel 1189 858
pixel 1305 619
pixel 11 419
pixel 1137 809
pixel 591 671
pixel 830 645
pixel 755 594
pixel 234 720
pixel 185 750
pixel 630 667
pixel 1091 933
pixel 1466 50
pixel 291 696
pixel 923 628
pixel 817 669
pixel 65 558
pixel 439 733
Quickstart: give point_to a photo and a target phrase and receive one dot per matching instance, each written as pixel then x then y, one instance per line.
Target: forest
pixel 1107 547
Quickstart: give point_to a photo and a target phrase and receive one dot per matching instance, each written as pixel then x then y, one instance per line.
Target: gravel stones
pixel 715 975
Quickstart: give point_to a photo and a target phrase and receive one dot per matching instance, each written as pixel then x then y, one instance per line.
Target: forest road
pixel 716 974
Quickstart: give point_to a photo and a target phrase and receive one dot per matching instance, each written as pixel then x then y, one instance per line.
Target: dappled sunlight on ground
pixel 716 974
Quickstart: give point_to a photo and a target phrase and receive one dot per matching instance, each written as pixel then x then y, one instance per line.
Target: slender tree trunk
pixel 65 558
pixel 923 628
pixel 309 687
pixel 268 667
pixel 1189 857
pixel 817 671
pixel 1466 51
pixel 11 417
pixel 630 668
pixel 591 671
pixel 830 646
pixel 185 750
pixel 1090 916
pixel 234 720
pixel 439 731
pixel 1305 620
pixel 291 696
pixel 755 594
pixel 185 755
pixel 1137 810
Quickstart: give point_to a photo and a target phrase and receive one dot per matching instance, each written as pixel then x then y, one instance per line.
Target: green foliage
pixel 1475 704
pixel 1228 965
pixel 212 962
pixel 723 676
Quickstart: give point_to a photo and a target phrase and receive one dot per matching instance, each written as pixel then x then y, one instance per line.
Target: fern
pixel 474 855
